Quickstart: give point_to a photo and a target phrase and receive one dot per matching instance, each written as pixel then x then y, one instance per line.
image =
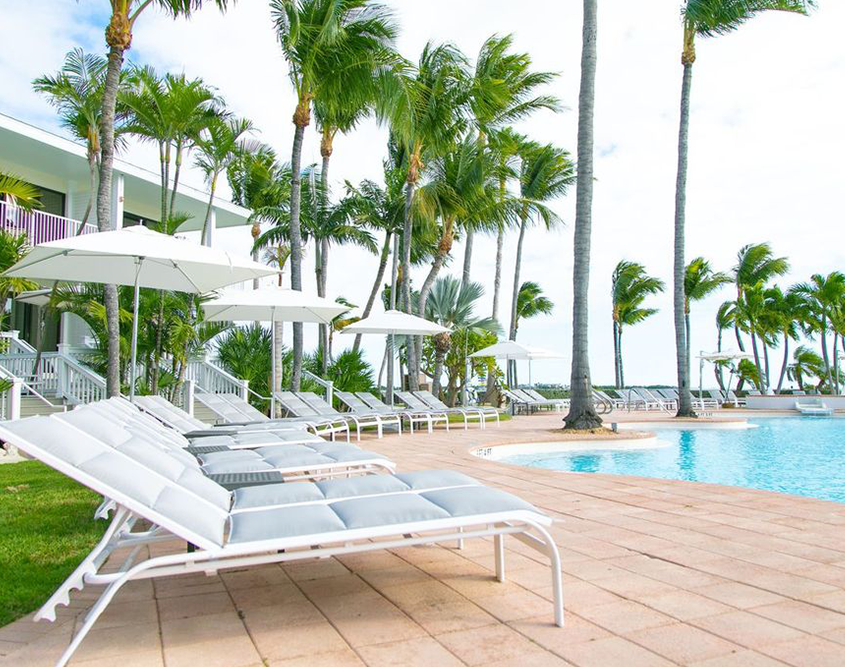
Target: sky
pixel 766 142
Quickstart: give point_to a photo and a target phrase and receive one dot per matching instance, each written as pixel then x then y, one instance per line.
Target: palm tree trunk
pixel 324 251
pixel 717 369
pixel 785 363
pixel 687 334
pixel 582 412
pixel 467 257
pixel 406 280
pixel 760 383
pixel 104 223
pixel 176 172
pixel 92 185
pixel 382 267
pixel 296 240
pixel 438 371
pixel 825 355
pixel 616 355
pixel 766 381
pixel 279 333
pixel 497 284
pixel 684 403
pixel 836 361
pixel 391 342
pixel 207 221
pixel 516 271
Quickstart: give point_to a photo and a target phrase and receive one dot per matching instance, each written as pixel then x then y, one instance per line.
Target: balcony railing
pixel 39 226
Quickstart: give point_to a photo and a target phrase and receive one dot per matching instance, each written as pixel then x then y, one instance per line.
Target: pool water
pixel 800 455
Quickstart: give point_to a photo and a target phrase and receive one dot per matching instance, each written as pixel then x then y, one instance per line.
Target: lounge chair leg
pixel 499 546
pixel 460 543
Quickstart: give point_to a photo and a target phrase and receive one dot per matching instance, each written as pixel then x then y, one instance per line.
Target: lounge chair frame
pixel 413 416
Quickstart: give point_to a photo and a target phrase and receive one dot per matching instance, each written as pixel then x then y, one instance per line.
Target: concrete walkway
pixel 655 573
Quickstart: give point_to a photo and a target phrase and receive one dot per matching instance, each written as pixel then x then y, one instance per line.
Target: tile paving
pixel 655 573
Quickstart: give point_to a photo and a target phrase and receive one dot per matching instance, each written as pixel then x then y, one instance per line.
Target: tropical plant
pixel 426 111
pixel 531 302
pixel 451 304
pixel 724 321
pixel 787 312
pixel 13 248
pixel 806 364
pixel 502 91
pixel 700 281
pixel 546 172
pixel 245 353
pixel 822 296
pixel 124 14
pixel 582 413
pixel 322 41
pixel 19 192
pixel 77 93
pixel 631 285
pixel 702 18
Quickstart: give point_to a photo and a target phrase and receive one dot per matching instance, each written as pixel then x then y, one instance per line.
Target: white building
pixel 58 167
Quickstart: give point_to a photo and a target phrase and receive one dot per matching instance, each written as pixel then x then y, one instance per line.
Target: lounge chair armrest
pixel 207 433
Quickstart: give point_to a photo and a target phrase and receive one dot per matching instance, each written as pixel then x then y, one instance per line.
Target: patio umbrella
pixel 714 357
pixel 393 322
pixel 36 297
pixel 271 304
pixel 139 257
pixel 510 350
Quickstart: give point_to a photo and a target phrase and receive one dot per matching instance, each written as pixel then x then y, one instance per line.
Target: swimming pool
pixel 800 455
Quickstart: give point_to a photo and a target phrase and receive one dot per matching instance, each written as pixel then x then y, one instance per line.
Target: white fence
pixel 39 226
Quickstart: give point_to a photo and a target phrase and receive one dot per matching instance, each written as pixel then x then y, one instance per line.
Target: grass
pixel 46 529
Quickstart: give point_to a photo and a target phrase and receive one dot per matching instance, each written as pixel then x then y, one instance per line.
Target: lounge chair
pixel 430 418
pixel 560 403
pixel 518 402
pixel 357 405
pixel 538 403
pixel 414 403
pixel 653 401
pixel 615 401
pixel 112 419
pixel 717 395
pixel 361 420
pixel 480 413
pixel 298 408
pixel 266 524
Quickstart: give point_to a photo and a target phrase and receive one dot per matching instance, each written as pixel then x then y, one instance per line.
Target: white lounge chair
pixel 267 524
pixel 357 405
pixel 361 420
pixel 431 417
pixel 560 403
pixel 426 400
pixel 434 403
pixel 539 403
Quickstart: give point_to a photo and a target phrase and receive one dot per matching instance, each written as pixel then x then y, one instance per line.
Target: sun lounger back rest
pixel 250 412
pixel 295 405
pixel 218 404
pixel 316 402
pixel 198 515
pixel 432 400
pixel 411 401
pixel 352 401
pixel 372 400
pixel 170 414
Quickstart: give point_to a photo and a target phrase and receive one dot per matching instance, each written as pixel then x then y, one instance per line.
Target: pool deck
pixel 656 573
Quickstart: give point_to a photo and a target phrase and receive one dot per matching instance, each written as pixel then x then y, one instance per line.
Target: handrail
pixel 327 384
pixel 39 226
pixel 213 379
pixel 58 375
pixel 606 405
pixel 8 376
pixel 17 345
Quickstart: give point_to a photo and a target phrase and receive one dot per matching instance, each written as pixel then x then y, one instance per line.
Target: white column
pixel 212 228
pixel 117 200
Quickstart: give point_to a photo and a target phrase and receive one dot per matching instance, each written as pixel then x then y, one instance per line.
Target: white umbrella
pixel 271 304
pixel 512 351
pixel 393 322
pixel 140 257
pixel 36 297
pixel 714 357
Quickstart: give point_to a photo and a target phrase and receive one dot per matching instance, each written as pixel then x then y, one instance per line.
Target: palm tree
pixel 806 363
pixel 19 192
pixel 322 41
pixel 582 413
pixel 77 92
pixel 217 148
pixel 546 172
pixel 425 109
pixel 451 305
pixel 124 14
pixel 755 265
pixel 631 285
pixel 724 321
pixel 700 281
pixel 751 315
pixel 703 18
pixel 822 295
pixel 787 312
pixel 531 302
pixel 501 92
pixel 13 248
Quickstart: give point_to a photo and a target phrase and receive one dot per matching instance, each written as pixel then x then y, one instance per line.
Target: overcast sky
pixel 766 140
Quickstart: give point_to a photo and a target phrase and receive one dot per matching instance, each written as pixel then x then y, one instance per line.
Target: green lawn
pixel 46 529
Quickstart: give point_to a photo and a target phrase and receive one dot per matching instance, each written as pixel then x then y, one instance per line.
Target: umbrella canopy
pixel 510 349
pixel 271 304
pixel 124 256
pixel 141 257
pixel 397 323
pixel 36 297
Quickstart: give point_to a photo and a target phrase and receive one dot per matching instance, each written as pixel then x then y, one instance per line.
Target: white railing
pixel 328 385
pixel 214 380
pixel 57 376
pixel 11 343
pixel 39 226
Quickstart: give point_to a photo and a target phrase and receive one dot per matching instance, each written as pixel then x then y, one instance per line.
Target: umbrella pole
pixel 273 364
pixel 135 331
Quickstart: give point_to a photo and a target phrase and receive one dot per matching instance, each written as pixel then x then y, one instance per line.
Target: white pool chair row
pixel 272 523
pixel 527 401
pixel 425 400
pixel 310 406
pixel 365 402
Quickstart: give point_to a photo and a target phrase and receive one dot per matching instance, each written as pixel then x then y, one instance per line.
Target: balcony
pixel 39 226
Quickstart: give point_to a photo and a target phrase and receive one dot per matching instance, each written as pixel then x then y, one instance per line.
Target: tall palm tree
pixel 13 248
pixel 631 285
pixel 787 313
pixel 323 41
pixel 217 148
pixel 756 264
pixel 502 91
pixel 700 281
pixel 582 413
pixel 724 321
pixel 451 304
pixel 124 14
pixel 703 18
pixel 20 192
pixel 426 111
pixel 805 364
pixel 76 91
pixel 822 295
pixel 546 172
